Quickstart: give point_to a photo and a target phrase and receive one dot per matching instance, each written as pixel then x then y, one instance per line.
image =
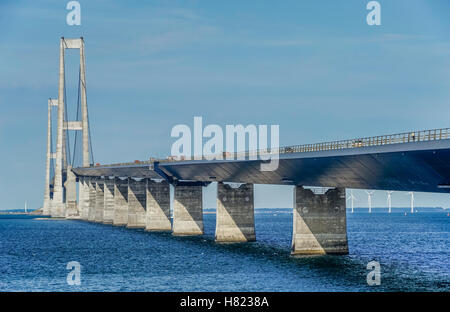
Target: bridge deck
pixel 411 166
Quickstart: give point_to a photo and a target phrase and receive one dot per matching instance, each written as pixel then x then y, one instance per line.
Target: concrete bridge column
pixel 319 222
pixel 158 206
pixel 120 202
pixel 136 203
pixel 235 219
pixel 83 197
pixel 92 198
pixel 108 214
pixel 58 209
pixel 99 199
pixel 187 211
pixel 49 207
pixel 71 194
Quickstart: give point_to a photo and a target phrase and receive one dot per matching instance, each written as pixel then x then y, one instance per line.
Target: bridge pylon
pixel 60 189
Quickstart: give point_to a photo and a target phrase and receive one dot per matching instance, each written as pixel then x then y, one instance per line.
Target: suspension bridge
pixel 137 194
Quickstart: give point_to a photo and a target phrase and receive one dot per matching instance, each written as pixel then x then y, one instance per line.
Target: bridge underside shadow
pixel 418 167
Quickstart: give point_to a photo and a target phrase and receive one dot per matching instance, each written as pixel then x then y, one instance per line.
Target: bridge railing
pixel 406 137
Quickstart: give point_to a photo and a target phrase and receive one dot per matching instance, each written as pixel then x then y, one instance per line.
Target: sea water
pixel 413 251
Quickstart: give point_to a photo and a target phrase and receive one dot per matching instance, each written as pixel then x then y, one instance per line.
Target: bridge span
pixel 137 195
pixel 421 164
pixel 415 161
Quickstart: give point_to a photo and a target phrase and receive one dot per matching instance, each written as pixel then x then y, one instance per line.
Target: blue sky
pixel 313 67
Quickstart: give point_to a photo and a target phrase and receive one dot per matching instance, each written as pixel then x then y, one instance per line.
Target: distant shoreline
pixel 38 212
pixel 35 212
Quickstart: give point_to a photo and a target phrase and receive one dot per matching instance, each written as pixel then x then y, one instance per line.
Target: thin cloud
pixel 400 37
pixel 172 39
pixel 282 43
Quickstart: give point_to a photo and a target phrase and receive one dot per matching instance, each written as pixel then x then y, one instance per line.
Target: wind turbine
pixel 389 200
pixel 412 201
pixel 352 198
pixel 369 199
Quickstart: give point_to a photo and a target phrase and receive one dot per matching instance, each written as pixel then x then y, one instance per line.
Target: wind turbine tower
pixel 369 199
pixel 389 200
pixel 352 198
pixel 412 201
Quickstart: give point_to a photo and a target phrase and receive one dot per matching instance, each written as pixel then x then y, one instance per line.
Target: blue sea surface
pixel 413 251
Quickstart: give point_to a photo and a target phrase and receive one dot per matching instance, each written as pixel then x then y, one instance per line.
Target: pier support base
pixel 99 200
pixel 136 203
pixel 57 209
pixel 46 207
pixel 71 194
pixel 92 198
pixel 187 210
pixel 108 213
pixel 83 197
pixel 120 202
pixel 158 206
pixel 319 222
pixel 235 220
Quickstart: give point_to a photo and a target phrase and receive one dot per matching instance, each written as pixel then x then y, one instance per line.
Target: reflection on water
pixel 413 251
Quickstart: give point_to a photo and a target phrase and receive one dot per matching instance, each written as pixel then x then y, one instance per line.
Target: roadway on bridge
pixel 415 166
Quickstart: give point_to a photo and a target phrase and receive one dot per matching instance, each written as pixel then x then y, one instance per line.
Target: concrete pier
pixel 71 194
pixel 120 202
pixel 99 200
pixel 319 222
pixel 235 220
pixel 92 198
pixel 46 207
pixel 158 206
pixel 137 203
pixel 83 195
pixel 187 210
pixel 57 209
pixel 108 214
pixel 58 206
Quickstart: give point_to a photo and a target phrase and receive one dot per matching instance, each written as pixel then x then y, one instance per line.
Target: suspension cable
pixel 52 160
pixel 67 119
pixel 91 153
pixel 77 118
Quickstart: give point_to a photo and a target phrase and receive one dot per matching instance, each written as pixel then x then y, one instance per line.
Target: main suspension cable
pixel 77 118
pixel 67 143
